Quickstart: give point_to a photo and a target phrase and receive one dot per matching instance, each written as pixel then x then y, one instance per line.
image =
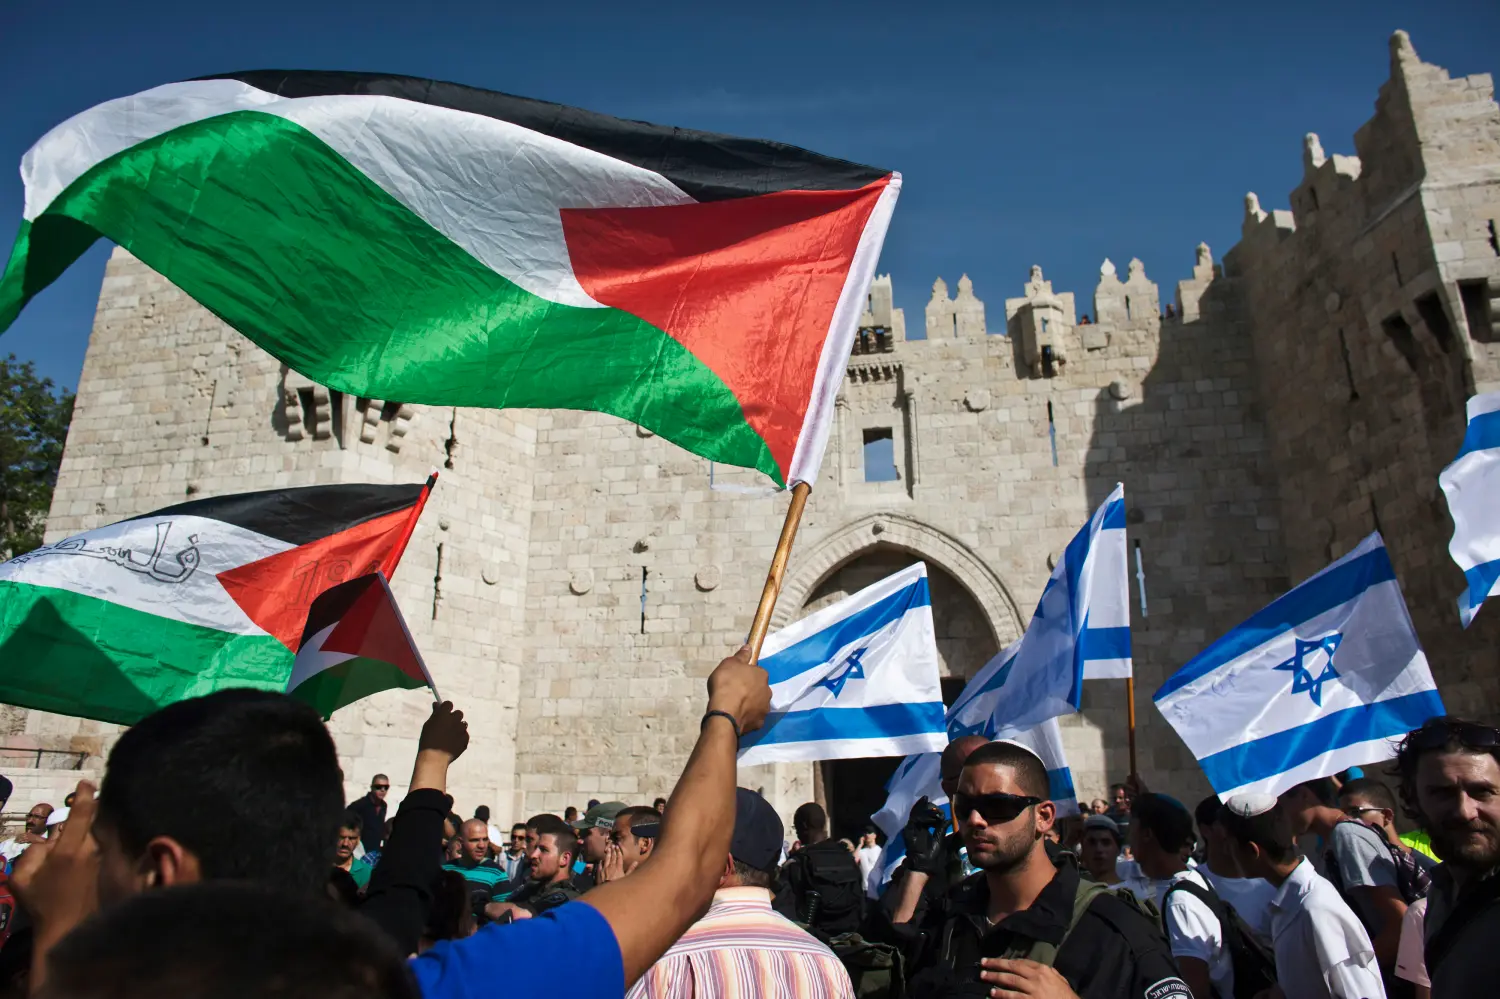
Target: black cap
pixel 757 831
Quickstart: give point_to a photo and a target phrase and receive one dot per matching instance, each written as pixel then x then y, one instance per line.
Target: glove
pixel 924 838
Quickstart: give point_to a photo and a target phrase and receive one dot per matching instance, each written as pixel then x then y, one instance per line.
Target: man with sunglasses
pixel 1450 782
pixel 1026 925
pixel 371 812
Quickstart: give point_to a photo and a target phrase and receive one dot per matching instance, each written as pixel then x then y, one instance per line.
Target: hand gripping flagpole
pixel 777 573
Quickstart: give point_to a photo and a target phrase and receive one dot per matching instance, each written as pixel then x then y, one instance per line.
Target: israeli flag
pixel 1080 631
pixel 972 714
pixel 859 678
pixel 1327 676
pixel 1472 485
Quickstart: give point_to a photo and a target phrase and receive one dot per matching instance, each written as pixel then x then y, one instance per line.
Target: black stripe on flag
pixel 706 165
pixel 301 515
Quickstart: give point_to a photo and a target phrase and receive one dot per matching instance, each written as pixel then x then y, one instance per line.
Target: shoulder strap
pixel 1083 897
pixel 1207 896
pixel 1124 913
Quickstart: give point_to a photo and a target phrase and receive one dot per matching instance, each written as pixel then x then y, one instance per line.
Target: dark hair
pixel 659 801
pixel 1271 831
pixel 1373 788
pixel 1440 734
pixel 248 780
pixel 517 825
pixel 561 832
pixel 380 777
pixel 570 811
pixel 451 915
pixel 233 940
pixel 1167 820
pixel 351 820
pixel 809 818
pixel 535 821
pixel 647 812
pixel 482 813
pixel 1031 775
pixel 1207 812
pixel 753 877
pixel 1322 788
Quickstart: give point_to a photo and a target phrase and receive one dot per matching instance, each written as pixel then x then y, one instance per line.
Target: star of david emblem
pixel 1302 679
pixel 853 670
pixel 957 729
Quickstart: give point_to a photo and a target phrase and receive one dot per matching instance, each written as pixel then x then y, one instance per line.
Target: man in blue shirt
pixel 601 939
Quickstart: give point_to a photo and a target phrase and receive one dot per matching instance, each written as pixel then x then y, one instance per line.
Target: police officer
pixel 550 869
pixel 1026 924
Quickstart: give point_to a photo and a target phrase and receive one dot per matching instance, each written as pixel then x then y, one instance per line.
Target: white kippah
pixel 1251 804
pixel 1027 749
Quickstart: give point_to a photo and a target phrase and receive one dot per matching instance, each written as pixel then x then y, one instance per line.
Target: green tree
pixel 34 417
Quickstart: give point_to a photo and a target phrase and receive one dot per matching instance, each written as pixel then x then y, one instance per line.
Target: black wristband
pixel 722 714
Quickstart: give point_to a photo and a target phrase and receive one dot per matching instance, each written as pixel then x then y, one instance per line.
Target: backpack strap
pixel 1083 898
pixel 1130 918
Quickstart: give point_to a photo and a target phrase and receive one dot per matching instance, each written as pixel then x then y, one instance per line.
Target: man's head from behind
pixel 755 846
pixel 636 831
pixel 551 859
pixel 810 822
pixel 476 839
pixel 1001 806
pixel 1258 832
pixel 237 785
pixel 1450 782
pixel 1161 833
pixel 230 941
pixel 1305 802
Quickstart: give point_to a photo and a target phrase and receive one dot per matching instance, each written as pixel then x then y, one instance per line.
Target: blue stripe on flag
pixel 880 721
pixel 1316 596
pixel 816 649
pixel 1105 643
pixel 1060 785
pixel 1482 579
pixel 1482 435
pixel 1114 516
pixel 1274 754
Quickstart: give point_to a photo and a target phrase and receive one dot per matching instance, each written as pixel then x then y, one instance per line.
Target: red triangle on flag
pixel 372 628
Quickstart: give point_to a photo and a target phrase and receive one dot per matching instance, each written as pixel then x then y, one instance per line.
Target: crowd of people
pixel 220 857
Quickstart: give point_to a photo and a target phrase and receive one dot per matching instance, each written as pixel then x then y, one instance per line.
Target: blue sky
pixel 1050 133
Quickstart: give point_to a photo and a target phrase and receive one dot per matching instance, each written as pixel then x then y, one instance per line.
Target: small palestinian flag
pixel 400 238
pixel 119 621
pixel 356 643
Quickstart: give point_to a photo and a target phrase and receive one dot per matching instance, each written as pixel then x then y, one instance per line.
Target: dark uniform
pixel 949 873
pixel 1114 950
pixel 537 897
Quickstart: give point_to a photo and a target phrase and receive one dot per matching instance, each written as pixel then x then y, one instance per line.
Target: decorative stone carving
pixel 977 400
pixel 581 581
pixel 1043 320
pixel 707 578
pixel 491 574
pixel 1119 391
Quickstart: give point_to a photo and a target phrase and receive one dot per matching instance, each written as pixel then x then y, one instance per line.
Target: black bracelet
pixel 722 714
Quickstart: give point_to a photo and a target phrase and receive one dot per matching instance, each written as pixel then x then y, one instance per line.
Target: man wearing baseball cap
pixel 742 946
pixel 593 839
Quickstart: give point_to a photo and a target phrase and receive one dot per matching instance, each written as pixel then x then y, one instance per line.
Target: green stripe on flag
pixel 280 236
pixel 77 655
pixel 332 688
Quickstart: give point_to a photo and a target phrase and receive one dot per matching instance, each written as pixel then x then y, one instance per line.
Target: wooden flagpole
pixel 777 573
pixel 1130 719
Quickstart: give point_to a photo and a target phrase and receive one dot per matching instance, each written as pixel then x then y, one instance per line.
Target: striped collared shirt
pixel 741 949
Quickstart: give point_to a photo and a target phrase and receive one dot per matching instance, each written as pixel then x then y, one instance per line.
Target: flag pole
pixel 777 573
pixel 1130 719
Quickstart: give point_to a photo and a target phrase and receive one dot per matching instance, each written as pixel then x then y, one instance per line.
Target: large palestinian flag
pixel 399 238
pixel 116 622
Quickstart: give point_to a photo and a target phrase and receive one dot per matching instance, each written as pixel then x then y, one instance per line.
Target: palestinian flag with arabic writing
pixel 119 621
pixel 400 238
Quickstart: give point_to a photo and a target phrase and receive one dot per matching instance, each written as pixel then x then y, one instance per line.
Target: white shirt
pixel 1251 898
pixel 1192 928
pixel 1322 949
pixel 868 858
pixel 12 848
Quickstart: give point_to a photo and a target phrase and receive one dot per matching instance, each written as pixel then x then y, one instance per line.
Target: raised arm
pixel 677 882
pixel 399 898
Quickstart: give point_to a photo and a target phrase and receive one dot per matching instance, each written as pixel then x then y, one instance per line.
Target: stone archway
pixel 813 565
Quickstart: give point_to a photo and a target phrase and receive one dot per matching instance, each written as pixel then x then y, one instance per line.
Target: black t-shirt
pixel 1114 952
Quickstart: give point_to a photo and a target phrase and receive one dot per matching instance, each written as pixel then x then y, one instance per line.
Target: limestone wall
pixel 1370 308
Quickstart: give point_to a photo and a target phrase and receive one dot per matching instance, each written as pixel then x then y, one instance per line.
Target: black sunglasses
pixel 1438 734
pixel 380 787
pixel 993 808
